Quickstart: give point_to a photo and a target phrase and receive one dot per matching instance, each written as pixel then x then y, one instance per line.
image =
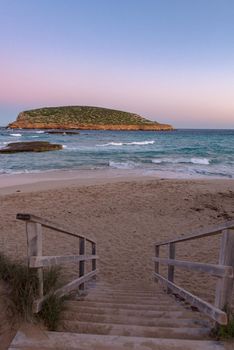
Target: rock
pixel 63 132
pixel 37 146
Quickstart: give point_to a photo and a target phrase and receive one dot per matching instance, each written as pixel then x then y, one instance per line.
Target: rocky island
pixel 84 118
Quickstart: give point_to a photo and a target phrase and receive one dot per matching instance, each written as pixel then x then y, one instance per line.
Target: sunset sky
pixel 168 60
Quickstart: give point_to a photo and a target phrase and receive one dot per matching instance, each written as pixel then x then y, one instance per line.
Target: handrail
pixel 209 231
pixel 224 271
pixel 50 224
pixel 37 261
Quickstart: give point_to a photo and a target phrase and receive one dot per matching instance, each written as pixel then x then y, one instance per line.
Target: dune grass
pixel 226 332
pixel 22 289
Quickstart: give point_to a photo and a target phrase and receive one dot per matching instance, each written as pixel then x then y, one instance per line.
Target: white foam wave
pixel 201 161
pixel 64 146
pixel 139 143
pixel 111 144
pixel 16 135
pixel 40 132
pixel 157 161
pixel 122 165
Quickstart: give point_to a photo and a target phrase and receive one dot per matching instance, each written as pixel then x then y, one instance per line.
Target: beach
pixel 125 215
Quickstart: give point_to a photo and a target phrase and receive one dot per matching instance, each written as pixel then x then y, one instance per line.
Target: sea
pixel 183 153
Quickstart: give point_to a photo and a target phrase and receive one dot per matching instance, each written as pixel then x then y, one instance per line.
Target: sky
pixel 169 60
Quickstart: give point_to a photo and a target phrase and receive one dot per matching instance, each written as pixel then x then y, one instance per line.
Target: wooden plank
pixel 74 284
pixel 156 265
pixel 71 286
pixel 36 261
pixel 171 257
pixel 34 244
pixel 224 287
pixel 82 263
pixel 44 340
pixel 209 231
pixel 94 263
pixel 203 306
pixel 49 224
pixel 212 269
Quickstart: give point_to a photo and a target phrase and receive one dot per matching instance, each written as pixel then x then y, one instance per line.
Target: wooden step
pixel 133 289
pixel 136 331
pixel 127 295
pixel 127 292
pixel 132 306
pixel 131 312
pixel 73 341
pixel 130 300
pixel 133 320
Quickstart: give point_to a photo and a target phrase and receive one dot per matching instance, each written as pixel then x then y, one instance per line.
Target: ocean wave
pixel 122 165
pixel 138 143
pixel 111 144
pixel 40 132
pixel 203 161
pixel 199 161
pixel 16 135
pixel 214 173
pixel 157 161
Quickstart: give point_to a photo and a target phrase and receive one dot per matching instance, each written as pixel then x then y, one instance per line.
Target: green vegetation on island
pixel 84 117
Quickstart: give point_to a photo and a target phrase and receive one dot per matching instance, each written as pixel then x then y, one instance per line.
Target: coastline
pixel 45 180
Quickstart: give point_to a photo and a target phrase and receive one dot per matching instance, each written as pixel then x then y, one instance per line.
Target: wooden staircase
pixel 129 316
pixel 125 317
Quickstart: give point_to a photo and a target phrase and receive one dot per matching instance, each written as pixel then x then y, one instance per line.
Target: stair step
pixel 98 294
pixel 133 320
pixel 128 290
pixel 128 287
pixel 139 313
pixel 130 300
pixel 137 331
pixel 132 306
pixel 125 293
pixel 73 341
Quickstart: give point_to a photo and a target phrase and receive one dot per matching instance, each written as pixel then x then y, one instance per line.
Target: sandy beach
pixel 125 214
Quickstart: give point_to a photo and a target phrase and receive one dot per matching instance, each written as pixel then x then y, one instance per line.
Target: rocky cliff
pixel 86 118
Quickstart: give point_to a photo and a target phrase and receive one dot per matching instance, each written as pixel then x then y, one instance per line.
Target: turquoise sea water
pixel 181 153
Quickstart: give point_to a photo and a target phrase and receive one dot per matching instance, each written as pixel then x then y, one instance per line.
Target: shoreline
pixel 33 182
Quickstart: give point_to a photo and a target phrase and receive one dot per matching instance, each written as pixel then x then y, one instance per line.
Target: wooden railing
pixel 37 261
pixel 224 271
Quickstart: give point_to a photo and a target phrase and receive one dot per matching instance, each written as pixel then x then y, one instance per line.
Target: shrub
pixel 227 332
pixel 22 283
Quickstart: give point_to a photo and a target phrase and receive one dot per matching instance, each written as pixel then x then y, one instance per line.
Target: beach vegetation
pixel 83 115
pixel 51 310
pixel 22 289
pixel 227 331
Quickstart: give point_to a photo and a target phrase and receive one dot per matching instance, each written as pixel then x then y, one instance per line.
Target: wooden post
pixel 171 268
pixel 82 263
pixel 224 285
pixel 34 244
pixel 156 264
pixel 93 253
